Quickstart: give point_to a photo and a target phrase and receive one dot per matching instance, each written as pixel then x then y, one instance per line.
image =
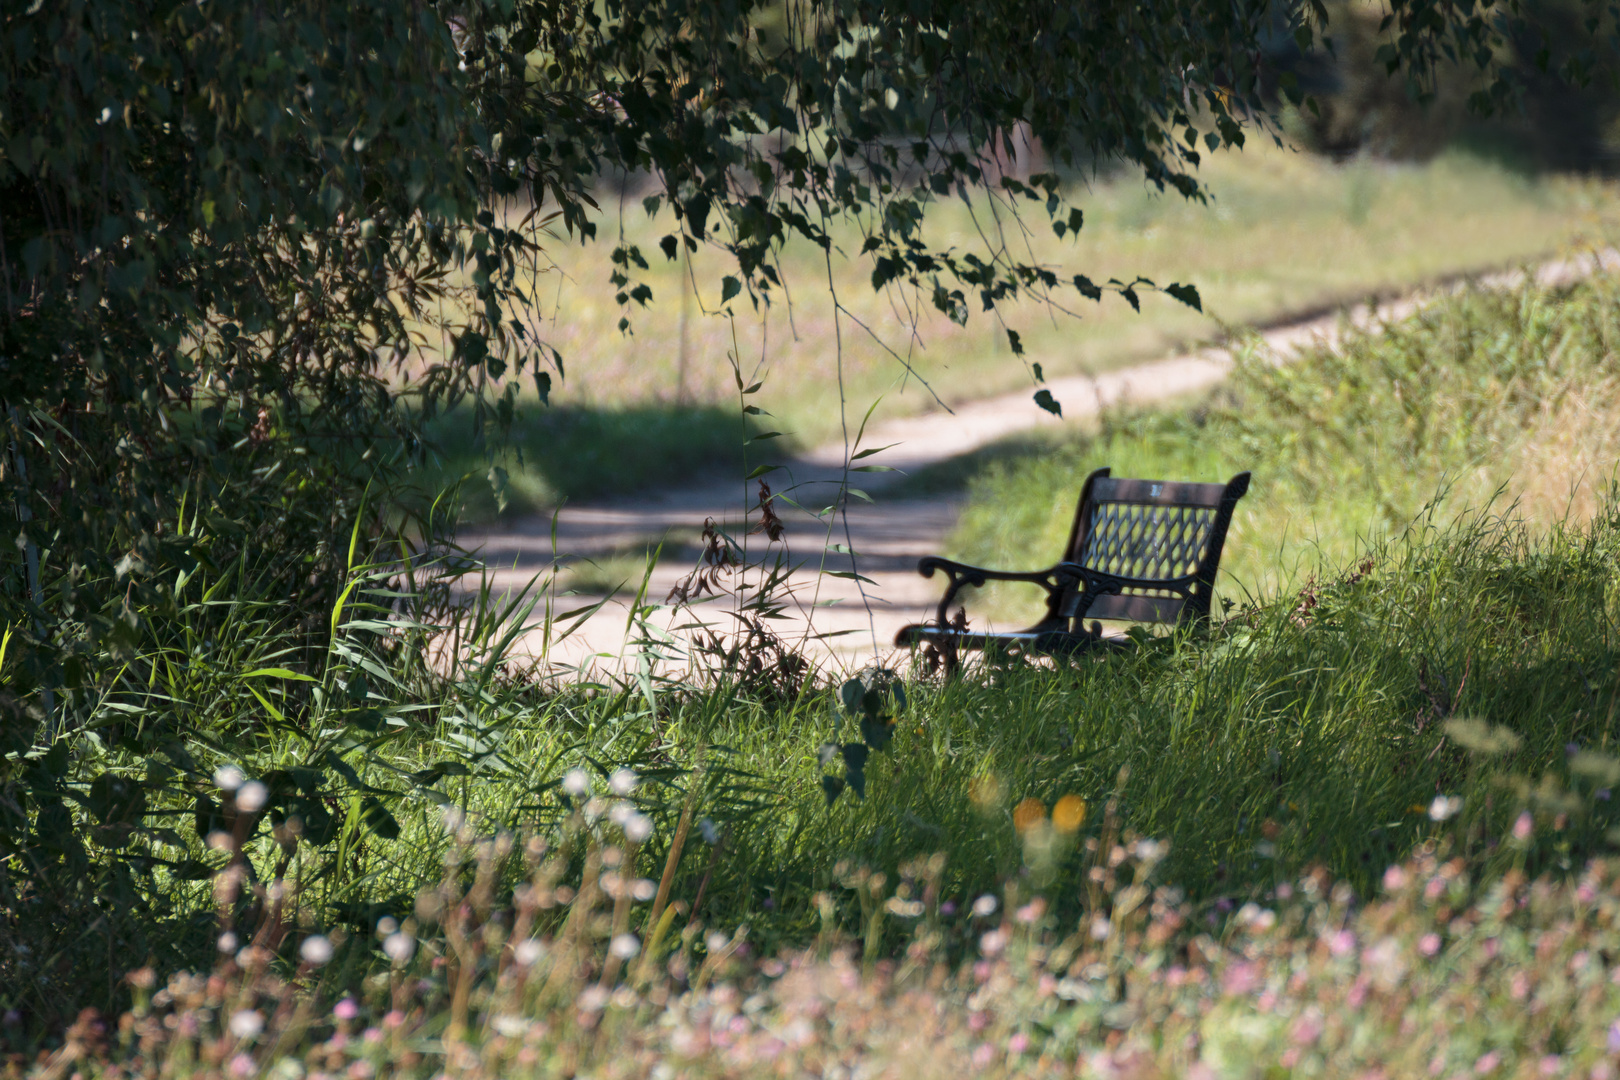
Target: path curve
pixel 858 619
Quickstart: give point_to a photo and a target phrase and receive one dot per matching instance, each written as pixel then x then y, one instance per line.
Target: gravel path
pixel 856 620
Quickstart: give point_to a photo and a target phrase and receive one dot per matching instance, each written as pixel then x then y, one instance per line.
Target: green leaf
pixel 1187 294
pixel 729 287
pixel 279 673
pixel 378 819
pixel 1045 400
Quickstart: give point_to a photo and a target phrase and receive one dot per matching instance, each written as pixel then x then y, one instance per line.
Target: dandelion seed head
pixel 623 781
pixel 637 828
pixel 315 950
pixel 252 796
pixel 399 946
pixel 576 782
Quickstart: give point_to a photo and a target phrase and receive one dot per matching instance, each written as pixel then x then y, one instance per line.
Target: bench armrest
pixel 1055 580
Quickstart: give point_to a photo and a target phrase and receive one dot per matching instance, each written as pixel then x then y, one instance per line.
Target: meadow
pixel 1283 234
pixel 1351 826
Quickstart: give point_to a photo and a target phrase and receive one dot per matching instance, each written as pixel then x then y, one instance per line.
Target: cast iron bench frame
pixel 1143 551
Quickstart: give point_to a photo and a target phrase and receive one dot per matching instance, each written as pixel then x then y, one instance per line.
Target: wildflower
pixel 1018 1043
pixel 228 778
pixel 1429 944
pixel 346 1009
pixel 576 782
pixel 1524 826
pixel 1614 1037
pixel 246 1023
pixel 1550 1065
pixel 1028 814
pixel 715 941
pixel 227 942
pixel 1394 879
pixel 316 950
pixel 948 908
pixel 637 828
pixel 992 943
pixel 983 1055
pixel 625 946
pixel 623 781
pixel 399 946
pixel 394 1018
pixel 1487 1063
pixel 645 889
pixel 241 1067
pixel 1342 943
pixel 593 999
pixel 1444 807
pixel 1069 814
pixel 252 796
pixel 985 906
pixel 1031 911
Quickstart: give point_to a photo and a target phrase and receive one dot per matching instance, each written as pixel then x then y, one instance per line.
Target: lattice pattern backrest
pixel 1155 542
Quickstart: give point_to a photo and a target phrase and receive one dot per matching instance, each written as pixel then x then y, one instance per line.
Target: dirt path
pixel 858 620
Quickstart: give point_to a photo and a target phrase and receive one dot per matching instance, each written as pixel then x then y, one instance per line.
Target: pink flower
pixel 241 1067
pixel 1429 944
pixel 394 1018
pixel 1342 943
pixel 977 1021
pixel 1394 879
pixel 1018 1043
pixel 983 1055
pixel 1523 827
pixel 1487 1063
pixel 346 1009
pixel 1549 1065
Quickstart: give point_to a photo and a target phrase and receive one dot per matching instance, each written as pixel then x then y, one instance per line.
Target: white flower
pixel 1445 806
pixel 529 952
pixel 576 782
pixel 594 999
pixel 620 812
pixel 510 1026
pixel 985 906
pixel 1101 928
pixel 637 828
pixel 644 889
pixel 228 778
pixel 252 796
pixel 716 941
pixel 227 942
pixel 399 946
pixel 246 1023
pixel 316 950
pixel 623 781
pixel 625 946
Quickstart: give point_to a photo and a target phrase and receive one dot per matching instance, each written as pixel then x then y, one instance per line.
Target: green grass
pixel 1284 233
pixel 1506 399
pixel 1288 736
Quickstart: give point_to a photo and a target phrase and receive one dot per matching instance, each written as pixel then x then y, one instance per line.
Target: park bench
pixel 1141 551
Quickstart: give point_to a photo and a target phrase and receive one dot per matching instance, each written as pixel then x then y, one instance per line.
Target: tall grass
pixel 1487 398
pixel 330 768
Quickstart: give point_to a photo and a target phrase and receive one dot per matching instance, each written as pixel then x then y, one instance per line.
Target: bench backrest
pixel 1164 537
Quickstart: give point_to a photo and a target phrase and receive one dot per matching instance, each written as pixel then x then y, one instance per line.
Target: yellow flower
pixel 1028 814
pixel 1069 813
